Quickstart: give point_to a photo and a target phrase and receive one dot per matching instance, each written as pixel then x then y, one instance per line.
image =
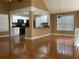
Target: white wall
pixel 76 40
pixel 15 18
pixel 4 23
pixel 64 5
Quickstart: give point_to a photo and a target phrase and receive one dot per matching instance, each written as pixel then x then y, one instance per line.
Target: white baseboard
pixel 63 34
pixel 42 35
pixel 38 36
pixel 4 36
pixel 48 35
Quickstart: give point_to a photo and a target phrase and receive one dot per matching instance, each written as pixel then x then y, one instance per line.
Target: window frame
pixel 64 24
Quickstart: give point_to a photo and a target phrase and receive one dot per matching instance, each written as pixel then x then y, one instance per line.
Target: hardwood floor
pixel 51 47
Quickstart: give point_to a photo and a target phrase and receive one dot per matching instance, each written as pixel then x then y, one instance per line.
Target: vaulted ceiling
pixel 56 6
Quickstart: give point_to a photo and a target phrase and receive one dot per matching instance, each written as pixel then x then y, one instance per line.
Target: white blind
pixel 4 25
pixel 65 23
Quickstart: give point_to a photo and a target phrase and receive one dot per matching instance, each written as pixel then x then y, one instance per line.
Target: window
pixel 41 21
pixel 4 25
pixel 65 23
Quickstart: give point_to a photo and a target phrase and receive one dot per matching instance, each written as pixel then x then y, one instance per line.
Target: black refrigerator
pixel 21 26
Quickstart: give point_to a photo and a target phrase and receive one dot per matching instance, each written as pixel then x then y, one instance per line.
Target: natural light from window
pixel 65 23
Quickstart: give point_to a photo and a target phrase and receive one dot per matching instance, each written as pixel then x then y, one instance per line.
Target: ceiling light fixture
pixel 60 15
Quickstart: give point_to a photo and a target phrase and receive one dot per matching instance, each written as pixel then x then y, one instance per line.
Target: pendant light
pixel 60 16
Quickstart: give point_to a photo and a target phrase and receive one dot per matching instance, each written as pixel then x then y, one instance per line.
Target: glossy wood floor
pixel 51 47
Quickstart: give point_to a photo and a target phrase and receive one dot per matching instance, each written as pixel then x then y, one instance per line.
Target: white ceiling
pixel 65 5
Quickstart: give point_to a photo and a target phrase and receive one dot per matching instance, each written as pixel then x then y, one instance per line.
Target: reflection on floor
pixel 51 47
